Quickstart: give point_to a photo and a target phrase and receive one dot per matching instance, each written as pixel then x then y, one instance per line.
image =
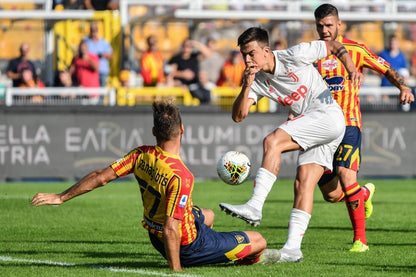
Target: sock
pixel 249 260
pixel 262 185
pixel 366 193
pixel 298 223
pixel 354 199
pixel 341 198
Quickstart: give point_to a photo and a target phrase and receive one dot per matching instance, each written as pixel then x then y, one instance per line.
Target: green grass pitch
pixel 99 234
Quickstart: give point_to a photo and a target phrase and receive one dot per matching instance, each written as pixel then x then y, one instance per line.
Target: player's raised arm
pixel 242 103
pixel 336 48
pixel 88 183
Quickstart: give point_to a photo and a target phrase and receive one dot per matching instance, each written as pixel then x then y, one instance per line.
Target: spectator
pixel 211 62
pixel 15 66
pixel 124 78
pixel 69 5
pixel 278 45
pixel 396 58
pixel 185 72
pixel 103 49
pixel 152 64
pixel 413 67
pixel 232 71
pixel 28 81
pixel 85 67
pixel 101 5
pixel 64 78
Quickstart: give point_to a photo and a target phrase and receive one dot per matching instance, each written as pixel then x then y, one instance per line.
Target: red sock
pixel 366 193
pixel 354 199
pixel 341 198
pixel 249 260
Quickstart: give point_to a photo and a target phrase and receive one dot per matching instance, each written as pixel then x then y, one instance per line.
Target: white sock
pixel 298 223
pixel 262 185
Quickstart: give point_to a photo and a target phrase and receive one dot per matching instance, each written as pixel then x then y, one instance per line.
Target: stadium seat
pixel 19 31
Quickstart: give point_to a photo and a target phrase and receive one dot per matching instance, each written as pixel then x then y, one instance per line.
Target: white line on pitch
pixel 113 269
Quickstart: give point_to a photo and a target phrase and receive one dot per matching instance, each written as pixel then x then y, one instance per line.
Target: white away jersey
pixel 295 83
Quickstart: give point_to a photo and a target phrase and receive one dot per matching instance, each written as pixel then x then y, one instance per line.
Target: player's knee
pixel 331 198
pixel 209 217
pixel 259 241
pixel 262 243
pixel 270 143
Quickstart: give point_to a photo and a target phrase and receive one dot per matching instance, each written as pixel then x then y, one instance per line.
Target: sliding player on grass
pixel 180 231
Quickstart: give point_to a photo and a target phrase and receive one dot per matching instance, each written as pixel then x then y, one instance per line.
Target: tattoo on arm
pixel 397 76
pixel 341 52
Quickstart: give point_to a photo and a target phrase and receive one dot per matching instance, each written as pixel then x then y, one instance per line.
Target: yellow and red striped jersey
pixel 334 73
pixel 166 186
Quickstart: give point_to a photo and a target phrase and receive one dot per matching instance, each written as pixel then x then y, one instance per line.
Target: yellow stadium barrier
pixel 221 96
pixel 146 95
pixel 225 96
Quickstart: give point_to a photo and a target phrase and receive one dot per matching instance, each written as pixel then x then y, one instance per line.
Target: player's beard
pixel 334 35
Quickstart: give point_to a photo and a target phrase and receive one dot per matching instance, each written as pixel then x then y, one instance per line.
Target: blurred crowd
pixel 98 5
pixel 197 66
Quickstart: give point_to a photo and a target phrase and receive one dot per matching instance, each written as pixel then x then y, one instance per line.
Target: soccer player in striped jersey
pixel 180 231
pixel 341 184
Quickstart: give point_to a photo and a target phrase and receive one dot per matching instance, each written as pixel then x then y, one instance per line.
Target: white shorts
pixel 318 133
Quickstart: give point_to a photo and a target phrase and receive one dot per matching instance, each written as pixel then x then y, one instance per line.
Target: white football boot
pixel 244 212
pixel 290 256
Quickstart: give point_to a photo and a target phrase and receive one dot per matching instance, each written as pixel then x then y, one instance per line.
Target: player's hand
pixel 406 96
pixel 357 78
pixel 250 74
pixel 46 199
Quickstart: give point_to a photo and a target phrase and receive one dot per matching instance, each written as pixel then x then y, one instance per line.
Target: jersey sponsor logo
pixel 335 83
pixel 295 96
pixel 380 60
pixel 330 64
pixel 184 198
pixel 292 75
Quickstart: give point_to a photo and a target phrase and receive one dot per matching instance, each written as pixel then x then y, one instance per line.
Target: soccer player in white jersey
pixel 289 78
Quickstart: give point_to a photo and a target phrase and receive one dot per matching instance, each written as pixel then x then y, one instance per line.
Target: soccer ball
pixel 233 167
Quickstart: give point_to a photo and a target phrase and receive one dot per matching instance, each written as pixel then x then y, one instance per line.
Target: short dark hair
pixel 254 34
pixel 166 120
pixel 325 10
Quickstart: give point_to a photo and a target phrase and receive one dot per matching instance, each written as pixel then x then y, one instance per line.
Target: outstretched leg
pixel 274 145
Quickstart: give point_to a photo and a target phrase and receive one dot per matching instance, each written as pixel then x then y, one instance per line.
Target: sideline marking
pixel 112 269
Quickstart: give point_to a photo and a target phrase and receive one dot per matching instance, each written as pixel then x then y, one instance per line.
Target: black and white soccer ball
pixel 233 167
